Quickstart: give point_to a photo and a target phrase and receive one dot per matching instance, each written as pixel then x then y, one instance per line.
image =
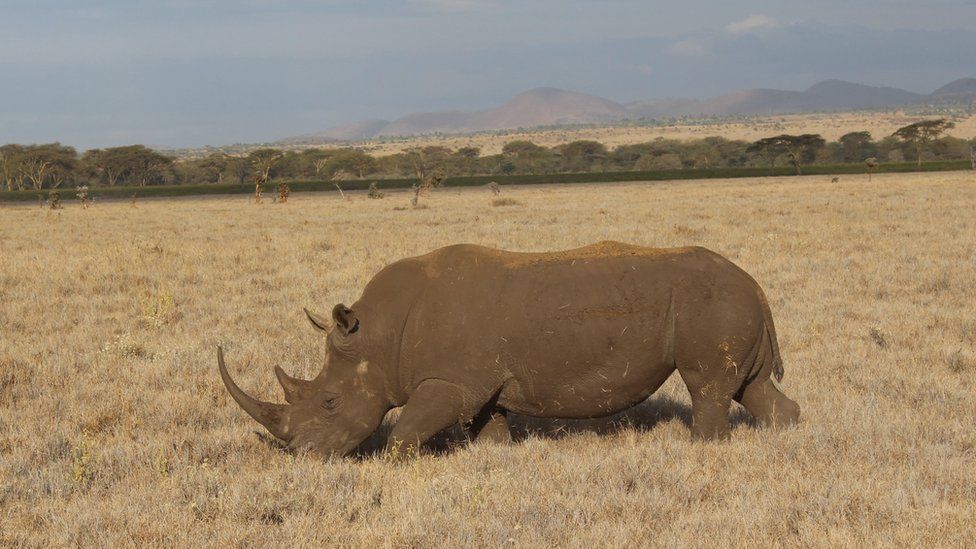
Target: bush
pixel 374 192
pixel 54 199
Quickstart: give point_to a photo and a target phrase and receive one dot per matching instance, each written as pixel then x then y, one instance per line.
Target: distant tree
pixel 215 165
pixel 666 161
pixel 582 155
pixel 352 161
pixel 147 166
pixel 318 159
pixel 798 148
pixel 522 148
pixel 854 146
pixel 12 166
pixel 465 161
pixel 921 134
pixel 134 163
pixel 262 161
pixel 523 156
pixel 430 166
pixel 64 164
pixel 291 165
pixel 428 162
pixel 52 162
pixel 188 172
pixel 240 168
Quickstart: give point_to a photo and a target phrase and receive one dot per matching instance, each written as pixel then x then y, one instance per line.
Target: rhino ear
pixel 318 321
pixel 345 319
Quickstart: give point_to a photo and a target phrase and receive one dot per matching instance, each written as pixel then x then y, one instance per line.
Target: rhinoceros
pixel 469 334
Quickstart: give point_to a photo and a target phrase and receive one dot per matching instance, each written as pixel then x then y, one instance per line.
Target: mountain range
pixel 554 107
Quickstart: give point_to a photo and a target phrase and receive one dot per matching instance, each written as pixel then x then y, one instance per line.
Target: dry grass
pixel 115 429
pixel 830 125
pixel 505 202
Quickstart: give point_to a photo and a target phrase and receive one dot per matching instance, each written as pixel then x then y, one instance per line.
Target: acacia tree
pixel 146 165
pixel 11 166
pixel 799 148
pixel 131 163
pixel 350 161
pixel 521 148
pixel 465 160
pixel 107 164
pixel 582 155
pixel 429 164
pixel 215 165
pixel 526 156
pixel 854 146
pixel 64 163
pixel 921 134
pixel 263 160
pixel 51 162
pixel 240 168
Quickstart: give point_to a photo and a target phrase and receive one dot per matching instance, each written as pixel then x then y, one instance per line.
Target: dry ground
pixel 831 126
pixel 115 429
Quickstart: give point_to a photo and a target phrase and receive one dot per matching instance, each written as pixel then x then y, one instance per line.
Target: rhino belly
pixel 587 377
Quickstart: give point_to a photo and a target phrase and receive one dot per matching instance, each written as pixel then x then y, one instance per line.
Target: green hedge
pixel 68 193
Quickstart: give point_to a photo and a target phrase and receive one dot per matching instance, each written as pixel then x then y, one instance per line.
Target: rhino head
pixel 339 409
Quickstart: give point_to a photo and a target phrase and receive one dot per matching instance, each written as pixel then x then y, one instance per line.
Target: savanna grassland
pixel 115 428
pixel 830 125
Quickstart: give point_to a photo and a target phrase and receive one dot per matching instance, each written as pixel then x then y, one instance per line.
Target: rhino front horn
pixel 272 416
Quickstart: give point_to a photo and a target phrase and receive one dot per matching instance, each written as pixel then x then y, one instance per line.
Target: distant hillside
pixel 964 87
pixel 347 132
pixel 538 107
pixel 829 95
pixel 551 106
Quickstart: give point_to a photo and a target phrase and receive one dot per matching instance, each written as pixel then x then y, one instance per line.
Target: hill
pixel 533 108
pixel 553 107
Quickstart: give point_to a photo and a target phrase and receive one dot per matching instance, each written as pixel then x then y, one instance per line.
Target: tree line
pixel 55 165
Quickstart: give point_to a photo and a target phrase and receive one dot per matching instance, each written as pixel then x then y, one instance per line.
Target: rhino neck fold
pixel 383 350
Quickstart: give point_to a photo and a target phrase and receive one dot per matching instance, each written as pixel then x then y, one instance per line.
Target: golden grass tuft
pixel 115 429
pixel 505 202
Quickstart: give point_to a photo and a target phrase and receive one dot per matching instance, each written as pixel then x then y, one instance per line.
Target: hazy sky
pixel 194 72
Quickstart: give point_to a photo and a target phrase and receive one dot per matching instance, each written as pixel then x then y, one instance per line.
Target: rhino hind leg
pixel 490 425
pixel 768 405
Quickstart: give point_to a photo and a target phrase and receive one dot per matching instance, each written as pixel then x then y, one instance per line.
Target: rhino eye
pixel 330 403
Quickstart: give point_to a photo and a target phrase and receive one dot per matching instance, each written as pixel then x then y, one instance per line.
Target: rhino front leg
pixel 491 425
pixel 434 406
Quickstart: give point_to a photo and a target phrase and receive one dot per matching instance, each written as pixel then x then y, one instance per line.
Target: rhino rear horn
pixel 294 388
pixel 272 416
pixel 319 321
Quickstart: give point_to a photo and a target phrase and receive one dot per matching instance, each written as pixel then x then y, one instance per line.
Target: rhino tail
pixel 770 333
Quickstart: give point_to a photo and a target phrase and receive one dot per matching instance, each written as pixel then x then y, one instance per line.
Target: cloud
pixel 751 23
pixel 451 5
pixel 688 47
